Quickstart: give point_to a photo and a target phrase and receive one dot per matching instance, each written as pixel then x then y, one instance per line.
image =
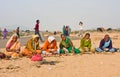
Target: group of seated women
pixel 13 48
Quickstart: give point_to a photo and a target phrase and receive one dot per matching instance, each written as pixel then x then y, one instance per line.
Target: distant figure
pixel 0 33
pixel 66 30
pixel 106 45
pixel 69 30
pixel 18 32
pixel 55 32
pixel 5 33
pixel 81 29
pixel 63 30
pixel 37 30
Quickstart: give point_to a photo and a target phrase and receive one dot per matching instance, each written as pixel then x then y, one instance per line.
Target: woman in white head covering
pixel 32 46
pixel 50 46
pixel 13 47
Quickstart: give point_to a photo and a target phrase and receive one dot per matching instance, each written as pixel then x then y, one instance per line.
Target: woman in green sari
pixel 85 44
pixel 66 46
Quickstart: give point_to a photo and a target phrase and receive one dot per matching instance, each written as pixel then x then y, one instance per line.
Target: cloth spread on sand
pixel 85 43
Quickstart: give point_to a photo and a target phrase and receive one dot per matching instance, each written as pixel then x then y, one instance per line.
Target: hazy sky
pixel 53 14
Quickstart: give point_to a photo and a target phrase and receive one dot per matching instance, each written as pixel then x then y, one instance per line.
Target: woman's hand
pixel 34 52
pixel 11 50
pixel 105 49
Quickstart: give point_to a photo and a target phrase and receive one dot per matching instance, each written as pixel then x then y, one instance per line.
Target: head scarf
pixel 11 39
pixel 34 36
pixel 86 35
pixel 50 39
pixel 33 43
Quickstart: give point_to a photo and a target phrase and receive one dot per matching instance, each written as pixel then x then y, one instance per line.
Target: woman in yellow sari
pixel 13 47
pixel 32 47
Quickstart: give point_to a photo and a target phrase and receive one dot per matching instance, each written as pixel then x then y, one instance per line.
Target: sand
pixel 86 65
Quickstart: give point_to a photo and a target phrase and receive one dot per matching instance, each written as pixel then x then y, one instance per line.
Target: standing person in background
pixel 18 32
pixel 66 31
pixel 37 30
pixel 63 29
pixel 81 29
pixel 5 33
pixel 69 30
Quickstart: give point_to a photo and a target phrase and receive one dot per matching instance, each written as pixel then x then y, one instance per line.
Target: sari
pixel 67 44
pixel 50 45
pixel 12 48
pixel 31 47
pixel 85 45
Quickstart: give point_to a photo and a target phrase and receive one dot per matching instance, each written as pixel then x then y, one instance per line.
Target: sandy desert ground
pixel 86 65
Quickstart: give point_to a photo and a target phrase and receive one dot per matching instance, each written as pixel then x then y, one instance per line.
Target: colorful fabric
pixel 31 45
pixel 36 57
pixel 85 43
pixel 15 45
pixel 12 46
pixel 50 39
pixel 37 27
pixel 68 45
pixel 107 43
pixel 28 53
pixel 76 50
pixel 48 46
pixel 110 50
pixel 102 44
pixel 5 33
pixel 9 45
